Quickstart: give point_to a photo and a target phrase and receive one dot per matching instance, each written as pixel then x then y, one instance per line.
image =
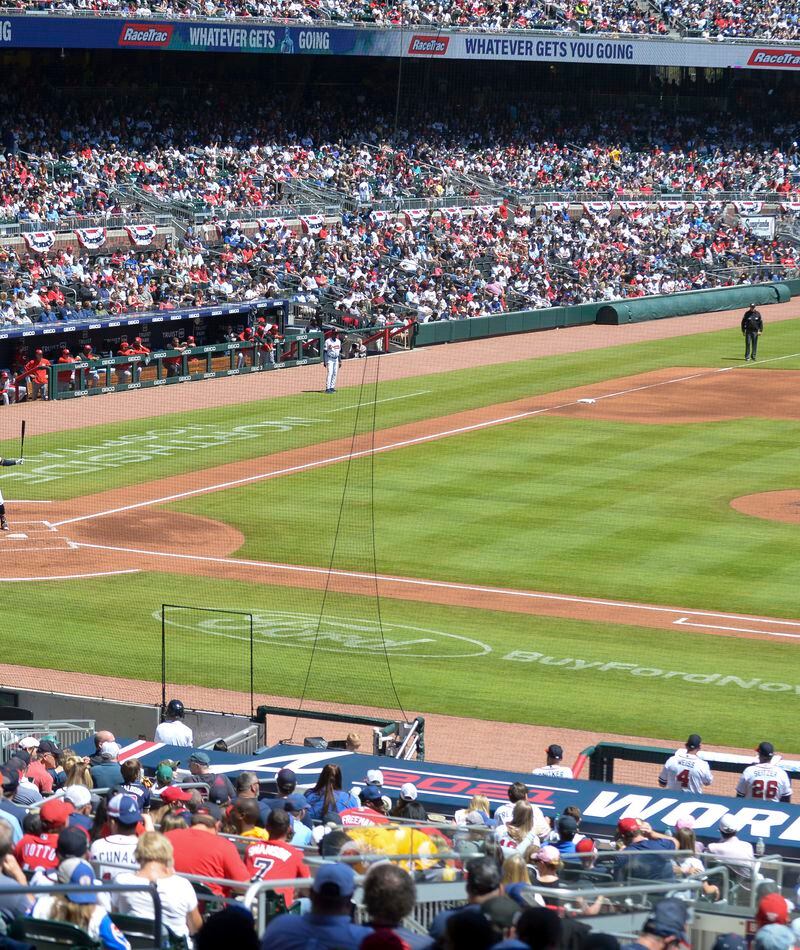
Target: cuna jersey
pixel 764 781
pixel 685 773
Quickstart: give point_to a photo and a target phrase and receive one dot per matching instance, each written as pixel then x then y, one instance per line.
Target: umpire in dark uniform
pixel 752 328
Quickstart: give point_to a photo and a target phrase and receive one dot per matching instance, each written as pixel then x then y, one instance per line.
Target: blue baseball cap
pixel 370 793
pixel 334 880
pixel 295 802
pixel 125 809
pixel 77 871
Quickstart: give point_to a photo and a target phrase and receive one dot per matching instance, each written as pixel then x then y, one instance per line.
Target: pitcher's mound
pixel 772 505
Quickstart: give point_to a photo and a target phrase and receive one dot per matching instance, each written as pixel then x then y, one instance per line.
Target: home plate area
pixel 30 537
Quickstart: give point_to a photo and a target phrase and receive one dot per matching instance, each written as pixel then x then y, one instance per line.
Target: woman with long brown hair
pixel 327 795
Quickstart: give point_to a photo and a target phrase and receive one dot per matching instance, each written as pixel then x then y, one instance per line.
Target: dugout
pixel 208 326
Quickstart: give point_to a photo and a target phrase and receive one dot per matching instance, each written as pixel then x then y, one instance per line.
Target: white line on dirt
pixel 65 577
pixel 446 585
pixel 375 402
pixel 419 440
pixel 20 501
pixel 684 622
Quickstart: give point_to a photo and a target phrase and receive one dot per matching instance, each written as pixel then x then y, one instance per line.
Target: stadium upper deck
pixel 715 19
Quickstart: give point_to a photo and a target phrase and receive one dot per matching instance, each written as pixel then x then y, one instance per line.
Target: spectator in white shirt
pixel 736 854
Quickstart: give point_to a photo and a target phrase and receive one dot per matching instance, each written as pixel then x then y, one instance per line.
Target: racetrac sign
pixel 444 788
pixel 242 36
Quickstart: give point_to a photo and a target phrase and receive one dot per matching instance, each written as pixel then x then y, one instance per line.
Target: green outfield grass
pixel 567 505
pixel 68 464
pixel 504 684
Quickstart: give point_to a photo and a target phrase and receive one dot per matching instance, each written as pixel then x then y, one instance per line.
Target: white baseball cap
pixel 729 824
pixel 408 792
pixel 78 795
pixel 374 777
pixel 28 743
pixel 110 750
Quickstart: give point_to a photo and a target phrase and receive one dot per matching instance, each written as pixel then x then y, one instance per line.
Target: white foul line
pixel 445 585
pixel 375 402
pixel 65 577
pixel 683 621
pixel 419 440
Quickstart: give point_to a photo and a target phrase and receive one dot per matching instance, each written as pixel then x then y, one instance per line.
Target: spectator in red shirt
pixel 200 850
pixel 37 847
pixel 276 859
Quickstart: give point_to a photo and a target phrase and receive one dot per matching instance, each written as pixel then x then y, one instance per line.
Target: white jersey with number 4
pixel 769 783
pixel 685 773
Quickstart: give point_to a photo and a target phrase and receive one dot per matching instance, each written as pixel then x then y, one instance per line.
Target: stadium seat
pixel 44 934
pixel 141 933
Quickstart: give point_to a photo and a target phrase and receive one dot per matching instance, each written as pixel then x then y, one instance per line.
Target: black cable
pixel 329 574
pixel 374 544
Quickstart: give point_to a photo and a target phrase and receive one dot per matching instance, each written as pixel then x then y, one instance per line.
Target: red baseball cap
pixel 585 846
pixel 627 826
pixel 56 811
pixel 172 794
pixel 772 909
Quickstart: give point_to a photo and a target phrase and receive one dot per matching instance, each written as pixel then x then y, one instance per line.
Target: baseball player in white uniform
pixel 3 522
pixel 331 356
pixel 686 771
pixel 173 731
pixel 554 767
pixel 766 780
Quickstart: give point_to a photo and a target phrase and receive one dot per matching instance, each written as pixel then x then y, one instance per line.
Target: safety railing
pixel 164 367
pixel 65 732
pixel 246 741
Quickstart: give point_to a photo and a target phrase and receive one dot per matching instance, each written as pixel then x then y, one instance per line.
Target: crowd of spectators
pixel 92 820
pixel 236 154
pixel 715 19
pixel 439 267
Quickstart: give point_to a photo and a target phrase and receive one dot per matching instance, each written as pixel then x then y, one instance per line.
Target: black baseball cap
pixel 555 751
pixel 766 748
pixel 286 780
pixel 72 842
pixel 694 741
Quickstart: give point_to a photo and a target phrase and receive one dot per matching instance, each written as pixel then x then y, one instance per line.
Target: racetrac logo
pixel 428 45
pixel 774 57
pixel 142 34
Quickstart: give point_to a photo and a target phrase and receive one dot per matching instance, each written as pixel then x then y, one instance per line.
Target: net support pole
pixel 163 659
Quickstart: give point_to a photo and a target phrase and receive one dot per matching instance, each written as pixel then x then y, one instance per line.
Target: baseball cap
pixel 109 750
pixel 567 825
pixel 374 777
pixel 766 748
pixel 77 871
pixel 627 826
pixel 668 919
pixel 172 794
pixel 219 791
pixel 501 911
pixel 55 811
pixel 729 824
pixel 772 909
pixel 694 741
pixel 408 792
pixel 164 773
pixel 334 880
pixel 585 846
pixel 285 779
pixel 72 842
pixel 29 742
pixel 125 809
pixel 729 942
pixel 201 758
pixel 211 809
pixel 295 802
pixel 687 821
pixel 370 793
pixel 555 751
pixel 47 745
pixel 78 796
pixel 774 937
pixel 548 855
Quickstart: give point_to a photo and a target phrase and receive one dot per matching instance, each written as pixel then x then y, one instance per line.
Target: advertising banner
pixel 230 36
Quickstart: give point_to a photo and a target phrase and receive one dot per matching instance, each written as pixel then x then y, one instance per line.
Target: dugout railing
pixel 164 367
pixel 64 732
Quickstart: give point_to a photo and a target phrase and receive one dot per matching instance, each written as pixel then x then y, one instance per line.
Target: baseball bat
pixel 22 440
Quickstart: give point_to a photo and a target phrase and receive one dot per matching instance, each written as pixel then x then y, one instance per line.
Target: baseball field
pixel 597 537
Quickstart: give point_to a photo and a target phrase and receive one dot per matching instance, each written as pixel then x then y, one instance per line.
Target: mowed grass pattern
pixel 500 684
pixel 596 508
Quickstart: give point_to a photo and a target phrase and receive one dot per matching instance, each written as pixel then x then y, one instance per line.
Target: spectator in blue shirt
pixel 327 795
pixel 329 924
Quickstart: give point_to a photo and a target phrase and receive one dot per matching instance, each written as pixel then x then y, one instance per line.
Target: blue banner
pixel 444 788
